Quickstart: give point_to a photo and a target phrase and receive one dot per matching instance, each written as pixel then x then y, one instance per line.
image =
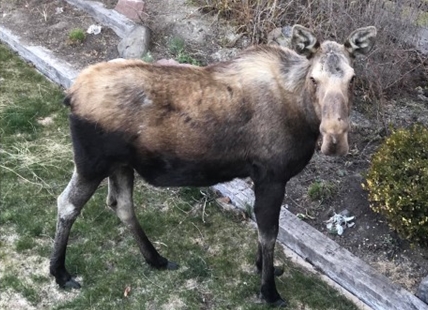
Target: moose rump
pixel 257 116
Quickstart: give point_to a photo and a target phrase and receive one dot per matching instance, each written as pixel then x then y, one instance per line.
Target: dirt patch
pixel 48 23
pixel 207 40
pixel 370 239
pixel 206 37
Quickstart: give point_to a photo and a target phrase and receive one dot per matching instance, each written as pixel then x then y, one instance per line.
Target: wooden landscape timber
pixel 43 59
pixel 121 25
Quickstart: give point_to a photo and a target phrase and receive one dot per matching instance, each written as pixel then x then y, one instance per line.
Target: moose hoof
pixel 280 303
pixel 277 271
pixel 163 264
pixel 171 266
pixel 71 284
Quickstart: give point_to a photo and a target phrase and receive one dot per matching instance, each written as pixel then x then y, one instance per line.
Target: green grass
pixel 215 250
pixel 177 47
pixel 321 190
pixel 77 35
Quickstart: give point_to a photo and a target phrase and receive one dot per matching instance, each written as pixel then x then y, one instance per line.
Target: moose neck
pixel 297 85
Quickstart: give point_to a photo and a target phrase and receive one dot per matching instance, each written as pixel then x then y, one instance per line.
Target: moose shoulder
pixel 258 115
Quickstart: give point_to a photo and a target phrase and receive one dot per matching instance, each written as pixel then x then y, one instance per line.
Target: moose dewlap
pixel 257 116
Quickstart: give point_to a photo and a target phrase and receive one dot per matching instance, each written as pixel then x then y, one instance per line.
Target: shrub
pixel 397 182
pixel 392 64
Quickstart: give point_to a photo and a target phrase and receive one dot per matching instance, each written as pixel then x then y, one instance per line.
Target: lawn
pixel 215 249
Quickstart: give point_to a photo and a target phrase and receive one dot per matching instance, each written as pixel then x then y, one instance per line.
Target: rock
pixel 224 54
pixel 423 98
pixel 422 292
pixel 61 26
pixel 135 44
pixel 172 62
pixel 167 62
pixel 358 120
pixel 345 213
pixel 133 9
pixel 191 30
pixel 280 36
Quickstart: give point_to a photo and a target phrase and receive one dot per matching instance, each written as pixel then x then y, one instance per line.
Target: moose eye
pixel 313 81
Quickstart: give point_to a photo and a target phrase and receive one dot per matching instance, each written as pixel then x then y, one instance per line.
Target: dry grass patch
pixel 392 67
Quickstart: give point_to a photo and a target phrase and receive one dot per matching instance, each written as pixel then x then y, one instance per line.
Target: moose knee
pixel 125 212
pixel 66 209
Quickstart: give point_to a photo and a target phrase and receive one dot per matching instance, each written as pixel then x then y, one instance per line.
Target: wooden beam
pixel 43 59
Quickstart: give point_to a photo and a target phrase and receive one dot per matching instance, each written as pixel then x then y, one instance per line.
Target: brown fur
pixel 181 109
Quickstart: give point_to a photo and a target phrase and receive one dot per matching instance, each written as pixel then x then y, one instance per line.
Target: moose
pixel 259 115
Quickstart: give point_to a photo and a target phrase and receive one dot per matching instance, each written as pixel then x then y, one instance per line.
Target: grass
pixel 215 249
pixel 177 48
pixel 321 190
pixel 77 35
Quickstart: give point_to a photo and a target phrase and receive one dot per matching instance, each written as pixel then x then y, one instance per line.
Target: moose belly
pixel 170 171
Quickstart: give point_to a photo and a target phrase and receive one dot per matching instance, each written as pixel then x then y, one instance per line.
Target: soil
pixel 209 39
pixel 48 23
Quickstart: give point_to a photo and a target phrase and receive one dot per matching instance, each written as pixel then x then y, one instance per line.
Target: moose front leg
pixel 267 207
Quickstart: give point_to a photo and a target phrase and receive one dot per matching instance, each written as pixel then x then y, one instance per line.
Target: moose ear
pixel 361 41
pixel 303 41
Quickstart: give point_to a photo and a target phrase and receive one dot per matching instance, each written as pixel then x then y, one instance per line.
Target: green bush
pixel 397 182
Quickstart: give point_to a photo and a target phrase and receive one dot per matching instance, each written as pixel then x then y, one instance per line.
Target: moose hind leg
pixel 70 203
pixel 277 271
pixel 121 184
pixel 267 208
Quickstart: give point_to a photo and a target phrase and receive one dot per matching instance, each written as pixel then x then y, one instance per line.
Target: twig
pixel 17 174
pixel 203 210
pixel 160 243
pixel 202 236
pixel 402 77
pixel 144 275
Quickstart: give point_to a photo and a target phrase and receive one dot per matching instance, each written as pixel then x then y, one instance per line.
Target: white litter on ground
pixel 338 222
pixel 94 29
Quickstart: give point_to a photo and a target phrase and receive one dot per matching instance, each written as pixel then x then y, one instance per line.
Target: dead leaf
pixel 127 291
pixel 223 200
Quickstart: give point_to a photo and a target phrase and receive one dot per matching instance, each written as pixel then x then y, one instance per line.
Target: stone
pixel 345 213
pixel 133 9
pixel 422 292
pixel 135 44
pixel 225 54
pixel 191 30
pixel 172 62
pixel 358 120
pixel 280 36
